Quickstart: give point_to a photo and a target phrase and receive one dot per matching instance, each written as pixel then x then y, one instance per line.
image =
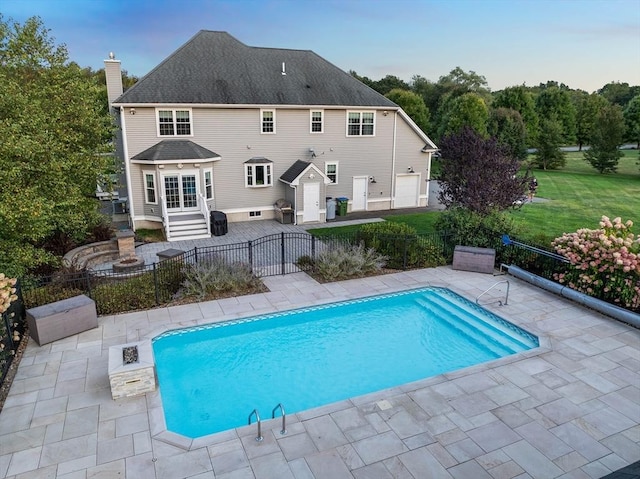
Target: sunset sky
pixel 582 43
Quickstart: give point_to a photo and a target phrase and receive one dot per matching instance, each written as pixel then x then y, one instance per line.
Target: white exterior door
pixel 360 190
pixel 180 191
pixel 311 202
pixel 407 191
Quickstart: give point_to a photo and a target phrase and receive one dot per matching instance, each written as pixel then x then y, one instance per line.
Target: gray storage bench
pixel 469 258
pixel 61 319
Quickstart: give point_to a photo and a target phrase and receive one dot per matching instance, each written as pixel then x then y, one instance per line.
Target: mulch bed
pixel 13 369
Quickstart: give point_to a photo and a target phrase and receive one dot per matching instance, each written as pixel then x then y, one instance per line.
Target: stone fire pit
pixel 131 369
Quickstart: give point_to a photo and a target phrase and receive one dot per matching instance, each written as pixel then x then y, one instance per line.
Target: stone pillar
pixel 126 243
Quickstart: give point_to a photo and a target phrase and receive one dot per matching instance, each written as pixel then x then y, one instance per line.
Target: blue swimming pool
pixel 212 377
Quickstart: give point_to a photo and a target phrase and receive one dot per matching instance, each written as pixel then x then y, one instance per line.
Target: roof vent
pixel 112 56
pixel 284 72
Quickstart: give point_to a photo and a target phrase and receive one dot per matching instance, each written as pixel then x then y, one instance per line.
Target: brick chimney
pixel 113 75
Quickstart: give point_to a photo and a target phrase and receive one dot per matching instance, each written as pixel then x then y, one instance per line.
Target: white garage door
pixel 407 191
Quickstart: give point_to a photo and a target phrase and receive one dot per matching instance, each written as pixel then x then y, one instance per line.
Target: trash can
pixel 331 208
pixel 342 203
pixel 218 223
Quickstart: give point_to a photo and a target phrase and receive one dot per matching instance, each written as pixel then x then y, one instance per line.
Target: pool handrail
pixel 255 412
pixel 506 300
pixel 273 416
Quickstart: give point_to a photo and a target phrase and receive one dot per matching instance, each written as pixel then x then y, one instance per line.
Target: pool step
pixel 465 323
pixel 509 330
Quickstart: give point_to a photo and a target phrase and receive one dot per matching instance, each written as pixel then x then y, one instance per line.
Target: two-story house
pixel 220 125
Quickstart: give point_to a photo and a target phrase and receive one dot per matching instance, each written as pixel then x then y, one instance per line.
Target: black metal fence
pixel 156 284
pixel 12 329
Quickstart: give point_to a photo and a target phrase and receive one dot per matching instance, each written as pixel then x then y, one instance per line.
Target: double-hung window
pixel 268 121
pixel 331 170
pixel 360 123
pixel 258 172
pixel 317 121
pixel 174 122
pixel 208 184
pixel 150 187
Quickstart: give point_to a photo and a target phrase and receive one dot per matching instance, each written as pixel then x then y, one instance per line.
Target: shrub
pixel 217 276
pixel 132 294
pixel 347 261
pixel 605 262
pixel 400 244
pixel 468 228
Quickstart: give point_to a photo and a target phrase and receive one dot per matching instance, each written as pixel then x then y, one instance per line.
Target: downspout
pixel 295 204
pixel 393 162
pixel 127 170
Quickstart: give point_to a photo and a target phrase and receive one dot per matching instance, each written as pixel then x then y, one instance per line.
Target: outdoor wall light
pixel 410 169
pixel 132 111
pixel 372 179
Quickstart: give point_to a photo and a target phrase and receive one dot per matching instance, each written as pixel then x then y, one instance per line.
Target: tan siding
pixel 234 134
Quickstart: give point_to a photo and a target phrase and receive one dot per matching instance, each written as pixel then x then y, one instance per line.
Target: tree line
pixel 545 117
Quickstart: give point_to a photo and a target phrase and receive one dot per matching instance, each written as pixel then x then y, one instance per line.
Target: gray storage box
pixel 61 319
pixel 479 260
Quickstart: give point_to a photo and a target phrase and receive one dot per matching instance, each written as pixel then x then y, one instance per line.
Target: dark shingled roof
pixel 294 171
pixel 215 68
pixel 175 150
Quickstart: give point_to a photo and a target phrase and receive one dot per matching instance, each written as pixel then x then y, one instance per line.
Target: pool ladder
pixel 506 299
pixel 273 415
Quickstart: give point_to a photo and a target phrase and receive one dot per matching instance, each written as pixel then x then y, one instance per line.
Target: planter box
pixel 61 319
pixel 479 260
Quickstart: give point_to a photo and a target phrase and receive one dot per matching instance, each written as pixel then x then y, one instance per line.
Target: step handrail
pixel 255 412
pixel 273 416
pixel 506 299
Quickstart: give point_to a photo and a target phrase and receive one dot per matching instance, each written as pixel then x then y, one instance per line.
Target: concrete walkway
pixel 569 409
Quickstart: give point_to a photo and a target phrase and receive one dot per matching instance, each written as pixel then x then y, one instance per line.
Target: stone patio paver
pixel 568 409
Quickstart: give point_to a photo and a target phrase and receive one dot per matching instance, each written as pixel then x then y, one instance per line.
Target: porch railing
pixel 204 209
pixel 165 218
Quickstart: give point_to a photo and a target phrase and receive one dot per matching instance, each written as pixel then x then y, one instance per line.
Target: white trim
pixel 311 112
pixel 270 175
pixel 152 174
pixel 262 111
pixel 361 124
pixel 176 162
pixel 127 168
pixel 204 182
pixel 337 163
pixel 252 106
pixel 175 123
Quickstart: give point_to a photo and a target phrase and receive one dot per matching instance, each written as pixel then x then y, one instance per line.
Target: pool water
pixel 212 377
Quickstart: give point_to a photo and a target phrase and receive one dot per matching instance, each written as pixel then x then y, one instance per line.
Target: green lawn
pixel 576 197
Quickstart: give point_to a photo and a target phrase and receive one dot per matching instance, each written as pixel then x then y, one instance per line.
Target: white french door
pixel 181 191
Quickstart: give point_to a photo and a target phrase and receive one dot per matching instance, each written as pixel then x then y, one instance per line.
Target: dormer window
pixel 174 122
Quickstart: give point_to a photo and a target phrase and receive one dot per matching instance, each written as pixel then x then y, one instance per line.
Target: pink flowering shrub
pixel 605 263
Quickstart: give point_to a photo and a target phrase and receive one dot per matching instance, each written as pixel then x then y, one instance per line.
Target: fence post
pixel 195 254
pixel 313 247
pixel 155 284
pixel 88 277
pixel 404 254
pixel 282 252
pixel 7 325
pixel 250 246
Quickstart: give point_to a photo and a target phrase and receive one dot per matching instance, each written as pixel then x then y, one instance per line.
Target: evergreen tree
pixel 606 139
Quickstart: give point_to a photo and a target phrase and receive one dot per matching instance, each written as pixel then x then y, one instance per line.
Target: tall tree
pixel 619 93
pixel 507 126
pixel 548 155
pixel 413 105
pixel 54 132
pixel 520 99
pixel 468 110
pixel 587 108
pixel 632 120
pixel 479 174
pixel 606 139
pixel 556 102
